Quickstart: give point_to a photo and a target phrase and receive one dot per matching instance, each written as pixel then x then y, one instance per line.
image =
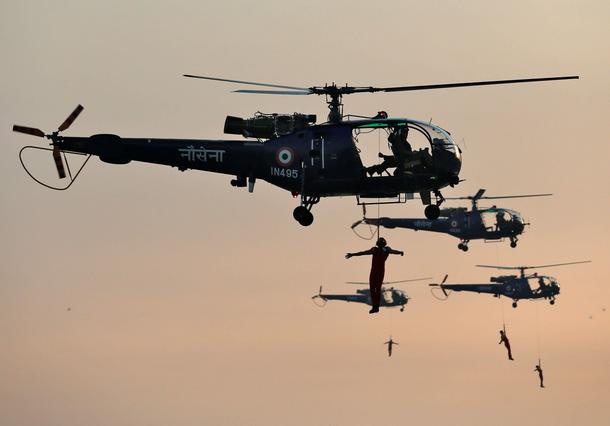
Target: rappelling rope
pixel 538 334
pixel 378 205
pixel 500 301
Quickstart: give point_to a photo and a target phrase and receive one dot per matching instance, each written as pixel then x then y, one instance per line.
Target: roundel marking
pixel 454 223
pixel 284 156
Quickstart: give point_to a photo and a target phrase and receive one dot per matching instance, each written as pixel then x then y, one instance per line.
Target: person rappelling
pixel 538 369
pixel 390 343
pixel 504 339
pixel 380 254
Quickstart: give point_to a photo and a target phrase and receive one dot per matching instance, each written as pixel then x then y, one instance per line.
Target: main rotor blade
pixel 495 197
pixel 28 131
pixel 389 282
pixel 532 267
pixel 70 118
pixel 59 164
pixel 556 264
pixel 465 84
pixel 515 196
pixel 498 267
pixel 245 82
pixel 407 281
pixel 479 194
pixel 273 92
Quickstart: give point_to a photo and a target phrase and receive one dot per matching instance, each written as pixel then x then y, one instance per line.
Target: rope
pixel 434 292
pixel 55 188
pixel 500 301
pixel 378 205
pixel 363 237
pixel 502 310
pixel 538 334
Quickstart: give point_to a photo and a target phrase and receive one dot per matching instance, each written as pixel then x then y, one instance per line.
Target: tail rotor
pixel 318 299
pixel 441 287
pixel 54 137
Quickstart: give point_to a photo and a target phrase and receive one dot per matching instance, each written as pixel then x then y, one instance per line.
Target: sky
pixel 143 295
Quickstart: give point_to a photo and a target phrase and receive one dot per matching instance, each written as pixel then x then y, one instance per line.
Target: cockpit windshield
pixel 543 284
pixel 441 139
pixel 498 219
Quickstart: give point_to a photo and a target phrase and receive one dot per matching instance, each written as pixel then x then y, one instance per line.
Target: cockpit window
pixel 438 137
pixel 541 284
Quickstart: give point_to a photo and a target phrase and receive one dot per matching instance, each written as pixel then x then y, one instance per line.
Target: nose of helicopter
pixel 519 224
pixel 449 163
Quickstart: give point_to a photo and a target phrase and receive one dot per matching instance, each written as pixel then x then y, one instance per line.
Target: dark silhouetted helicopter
pixel 292 152
pixel 390 297
pixel 493 223
pixel 513 286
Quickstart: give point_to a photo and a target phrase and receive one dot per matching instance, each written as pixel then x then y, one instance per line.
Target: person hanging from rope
pixel 538 369
pixel 390 343
pixel 504 339
pixel 380 254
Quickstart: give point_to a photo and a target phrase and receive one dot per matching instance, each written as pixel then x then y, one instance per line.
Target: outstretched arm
pixel 359 253
pixel 392 251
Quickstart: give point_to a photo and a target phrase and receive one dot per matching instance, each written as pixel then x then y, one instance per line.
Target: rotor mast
pixel 335 105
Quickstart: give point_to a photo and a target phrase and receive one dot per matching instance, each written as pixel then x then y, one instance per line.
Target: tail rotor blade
pixel 28 131
pixel 71 118
pixel 445 279
pixel 59 164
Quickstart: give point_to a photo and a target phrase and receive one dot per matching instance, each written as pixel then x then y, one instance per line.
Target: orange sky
pixel 190 299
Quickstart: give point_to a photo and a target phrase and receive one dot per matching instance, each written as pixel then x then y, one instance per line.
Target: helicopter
pixel 290 151
pixel 493 223
pixel 390 297
pixel 513 286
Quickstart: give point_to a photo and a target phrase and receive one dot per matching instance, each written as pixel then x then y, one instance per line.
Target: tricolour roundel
pixel 284 156
pixel 454 223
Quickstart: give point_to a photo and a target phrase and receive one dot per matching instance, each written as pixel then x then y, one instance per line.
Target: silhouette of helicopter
pixel 390 297
pixel 291 151
pixel 493 223
pixel 513 286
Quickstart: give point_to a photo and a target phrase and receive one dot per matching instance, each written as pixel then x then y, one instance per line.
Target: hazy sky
pixel 190 299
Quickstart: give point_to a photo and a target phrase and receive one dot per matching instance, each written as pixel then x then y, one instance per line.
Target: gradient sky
pixel 190 299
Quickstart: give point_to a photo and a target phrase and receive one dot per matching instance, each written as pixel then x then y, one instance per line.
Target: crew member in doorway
pixel 380 253
pixel 401 150
pixel 504 339
pixel 390 343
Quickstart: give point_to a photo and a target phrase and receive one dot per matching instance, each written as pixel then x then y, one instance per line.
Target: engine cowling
pixel 267 126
